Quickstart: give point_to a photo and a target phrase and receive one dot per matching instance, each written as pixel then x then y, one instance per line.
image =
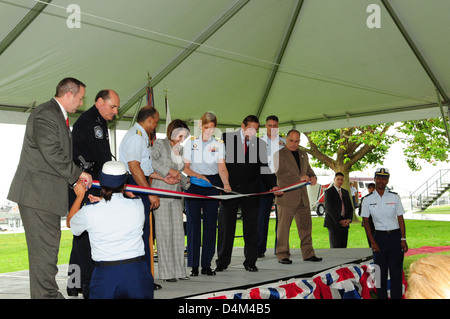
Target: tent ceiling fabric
pixel 335 71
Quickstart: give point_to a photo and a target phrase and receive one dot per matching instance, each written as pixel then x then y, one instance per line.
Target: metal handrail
pixel 432 184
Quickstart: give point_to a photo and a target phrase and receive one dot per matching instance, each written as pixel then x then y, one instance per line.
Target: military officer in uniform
pixel 135 153
pixel 389 241
pixel 115 224
pixel 91 149
pixel 204 158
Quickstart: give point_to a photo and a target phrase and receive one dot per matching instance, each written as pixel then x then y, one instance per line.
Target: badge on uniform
pixel 98 131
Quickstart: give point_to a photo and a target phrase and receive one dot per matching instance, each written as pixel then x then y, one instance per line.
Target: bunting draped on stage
pixel 352 281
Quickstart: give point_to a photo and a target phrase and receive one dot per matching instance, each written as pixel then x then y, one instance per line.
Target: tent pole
pixel 415 50
pixel 22 25
pixel 443 115
pixel 185 54
pixel 280 55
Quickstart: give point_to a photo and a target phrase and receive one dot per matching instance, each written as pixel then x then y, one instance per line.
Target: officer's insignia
pixel 214 149
pixel 194 146
pixel 98 131
pixel 138 132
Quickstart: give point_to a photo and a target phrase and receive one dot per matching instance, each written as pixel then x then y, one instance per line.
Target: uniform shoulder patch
pixel 138 132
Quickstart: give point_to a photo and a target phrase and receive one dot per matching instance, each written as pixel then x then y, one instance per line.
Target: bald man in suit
pixel 292 166
pixel 40 185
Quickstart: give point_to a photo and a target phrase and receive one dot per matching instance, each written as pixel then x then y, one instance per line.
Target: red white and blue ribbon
pixel 170 193
pixel 352 281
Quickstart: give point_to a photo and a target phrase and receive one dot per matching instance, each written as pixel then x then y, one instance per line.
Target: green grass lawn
pixel 437 210
pixel 14 257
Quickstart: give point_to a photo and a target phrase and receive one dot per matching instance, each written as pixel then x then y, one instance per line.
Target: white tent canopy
pixel 316 64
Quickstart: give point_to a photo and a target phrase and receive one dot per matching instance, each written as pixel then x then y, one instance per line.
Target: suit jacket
pixel 246 170
pixel 46 168
pixel 162 162
pixel 333 207
pixel 288 174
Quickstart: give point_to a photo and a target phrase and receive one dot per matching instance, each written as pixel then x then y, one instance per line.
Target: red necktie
pixel 342 209
pixel 67 122
pixel 245 147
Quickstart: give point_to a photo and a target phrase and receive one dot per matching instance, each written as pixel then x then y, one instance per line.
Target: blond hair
pixel 429 278
pixel 207 118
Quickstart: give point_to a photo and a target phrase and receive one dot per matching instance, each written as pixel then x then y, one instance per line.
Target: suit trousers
pixel 265 208
pixel 227 228
pixel 43 235
pixel 338 236
pixel 302 216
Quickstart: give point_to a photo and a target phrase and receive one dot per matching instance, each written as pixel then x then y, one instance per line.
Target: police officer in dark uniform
pixel 91 149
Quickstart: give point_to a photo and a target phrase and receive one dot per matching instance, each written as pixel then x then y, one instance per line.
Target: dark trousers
pixel 390 260
pixel 125 281
pixel 146 230
pixel 227 227
pixel 198 210
pixel 338 236
pixel 265 207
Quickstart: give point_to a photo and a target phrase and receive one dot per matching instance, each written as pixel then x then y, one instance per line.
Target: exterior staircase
pixel 424 196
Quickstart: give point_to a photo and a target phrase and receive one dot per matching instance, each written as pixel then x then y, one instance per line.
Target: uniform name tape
pixel 165 192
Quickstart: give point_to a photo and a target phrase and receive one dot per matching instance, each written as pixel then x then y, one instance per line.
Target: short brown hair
pixel 68 85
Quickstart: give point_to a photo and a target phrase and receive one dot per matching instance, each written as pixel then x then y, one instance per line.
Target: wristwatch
pixel 404 239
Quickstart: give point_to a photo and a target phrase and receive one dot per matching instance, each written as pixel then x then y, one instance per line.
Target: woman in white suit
pixel 167 160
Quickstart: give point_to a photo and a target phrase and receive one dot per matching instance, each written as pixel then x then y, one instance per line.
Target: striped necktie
pixel 342 201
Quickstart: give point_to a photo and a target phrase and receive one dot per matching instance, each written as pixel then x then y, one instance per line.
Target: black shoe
pixel 261 255
pixel 156 286
pixel 72 292
pixel 194 271
pixel 252 268
pixel 220 268
pixel 171 280
pixel 208 271
pixel 313 258
pixel 285 261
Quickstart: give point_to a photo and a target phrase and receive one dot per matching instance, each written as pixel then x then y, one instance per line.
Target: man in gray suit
pixel 40 185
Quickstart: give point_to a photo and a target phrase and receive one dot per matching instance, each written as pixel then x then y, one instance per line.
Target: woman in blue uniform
pixel 115 226
pixel 204 157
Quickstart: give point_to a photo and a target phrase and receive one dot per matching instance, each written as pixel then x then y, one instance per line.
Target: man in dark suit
pixel 338 212
pixel 40 185
pixel 246 161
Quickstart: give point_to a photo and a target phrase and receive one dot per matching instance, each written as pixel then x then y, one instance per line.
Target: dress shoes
pixel 156 286
pixel 220 268
pixel 285 261
pixel 313 258
pixel 208 271
pixel 194 271
pixel 251 268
